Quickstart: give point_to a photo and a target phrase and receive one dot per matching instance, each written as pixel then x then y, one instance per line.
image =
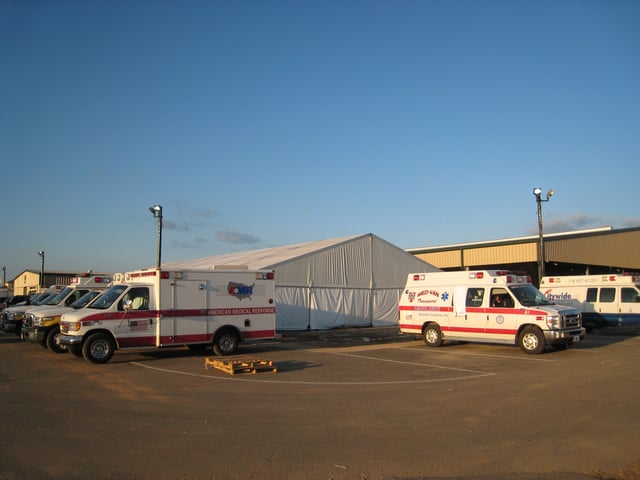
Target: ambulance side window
pixel 474 297
pixel 592 294
pixel 607 295
pixel 630 295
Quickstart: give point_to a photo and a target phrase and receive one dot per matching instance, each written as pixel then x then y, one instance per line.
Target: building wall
pixel 577 253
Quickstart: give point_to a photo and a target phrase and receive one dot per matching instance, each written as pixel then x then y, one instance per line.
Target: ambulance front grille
pixel 572 321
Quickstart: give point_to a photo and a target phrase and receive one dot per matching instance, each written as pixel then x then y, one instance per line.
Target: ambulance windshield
pixel 529 296
pixel 108 297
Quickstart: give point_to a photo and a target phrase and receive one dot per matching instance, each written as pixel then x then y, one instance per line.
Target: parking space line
pixel 527 358
pixel 469 374
pixel 481 374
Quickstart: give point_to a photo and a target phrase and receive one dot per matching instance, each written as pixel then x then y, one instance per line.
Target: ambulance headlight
pixel 554 321
pixel 70 326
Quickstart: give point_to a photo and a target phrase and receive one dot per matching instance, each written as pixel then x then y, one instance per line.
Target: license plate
pixel 576 338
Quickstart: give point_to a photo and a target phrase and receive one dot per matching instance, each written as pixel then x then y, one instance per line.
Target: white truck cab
pixel 41 324
pixel 604 300
pixel 12 317
pixel 157 308
pixel 491 306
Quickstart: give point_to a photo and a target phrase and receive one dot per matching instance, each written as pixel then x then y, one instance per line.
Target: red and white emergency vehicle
pixel 42 324
pixel 489 306
pixel 157 308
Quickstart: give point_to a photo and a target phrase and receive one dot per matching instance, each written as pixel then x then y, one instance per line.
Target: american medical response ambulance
pixel 485 306
pixel 42 324
pixel 158 308
pixel 604 300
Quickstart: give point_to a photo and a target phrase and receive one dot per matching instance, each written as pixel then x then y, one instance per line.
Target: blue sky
pixel 263 123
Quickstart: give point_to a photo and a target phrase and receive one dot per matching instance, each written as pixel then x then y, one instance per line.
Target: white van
pixel 604 300
pixel 490 306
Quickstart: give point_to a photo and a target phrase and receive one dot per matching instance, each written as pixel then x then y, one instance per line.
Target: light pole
pixel 4 277
pixel 156 211
pixel 41 253
pixel 537 192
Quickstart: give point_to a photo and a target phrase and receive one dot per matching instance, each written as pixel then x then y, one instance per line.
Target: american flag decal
pixel 139 325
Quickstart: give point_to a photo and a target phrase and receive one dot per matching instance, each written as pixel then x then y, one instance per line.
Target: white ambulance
pixel 12 317
pixel 604 300
pixel 219 307
pixel 489 306
pixel 42 324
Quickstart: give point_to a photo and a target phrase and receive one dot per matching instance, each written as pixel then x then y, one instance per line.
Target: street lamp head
pixel 550 192
pixel 156 210
pixel 41 253
pixel 537 191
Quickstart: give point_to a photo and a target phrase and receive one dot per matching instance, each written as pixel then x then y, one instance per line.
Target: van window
pixel 474 297
pixel 607 295
pixel 139 298
pixel 500 298
pixel 592 295
pixel 630 295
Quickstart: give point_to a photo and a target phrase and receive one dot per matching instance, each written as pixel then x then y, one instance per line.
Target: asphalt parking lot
pixel 352 404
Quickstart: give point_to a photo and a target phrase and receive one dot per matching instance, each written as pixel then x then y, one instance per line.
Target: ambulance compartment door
pixel 473 325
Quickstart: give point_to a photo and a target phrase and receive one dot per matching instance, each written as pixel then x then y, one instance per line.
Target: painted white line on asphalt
pixel 529 358
pixel 430 365
pixel 471 374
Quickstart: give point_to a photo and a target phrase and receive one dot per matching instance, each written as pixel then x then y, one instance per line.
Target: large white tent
pixel 343 282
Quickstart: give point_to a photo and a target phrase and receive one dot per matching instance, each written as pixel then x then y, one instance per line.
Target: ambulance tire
pixel 52 341
pixel 225 342
pixel 531 340
pixel 432 335
pixel 98 348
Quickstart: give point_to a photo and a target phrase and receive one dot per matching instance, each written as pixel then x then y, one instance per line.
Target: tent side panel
pixel 340 308
pixel 391 265
pixel 326 308
pixel 356 307
pixel 385 306
pixel 292 308
pixel 295 273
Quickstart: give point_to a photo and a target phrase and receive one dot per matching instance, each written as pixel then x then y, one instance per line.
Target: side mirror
pixel 127 305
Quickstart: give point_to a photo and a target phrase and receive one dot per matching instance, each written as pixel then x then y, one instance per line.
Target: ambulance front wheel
pixel 225 342
pixel 531 340
pixel 433 335
pixel 98 348
pixel 53 341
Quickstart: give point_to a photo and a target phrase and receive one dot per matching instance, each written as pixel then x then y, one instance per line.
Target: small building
pixel 28 282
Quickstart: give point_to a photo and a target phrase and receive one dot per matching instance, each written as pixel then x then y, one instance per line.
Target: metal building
pixel 602 250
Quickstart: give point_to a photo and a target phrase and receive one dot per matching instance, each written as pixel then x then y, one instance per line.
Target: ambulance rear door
pixel 471 323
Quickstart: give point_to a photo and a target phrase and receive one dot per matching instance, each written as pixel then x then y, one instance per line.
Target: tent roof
pixel 263 258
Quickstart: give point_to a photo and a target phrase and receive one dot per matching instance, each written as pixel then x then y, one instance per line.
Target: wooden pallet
pixel 234 367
